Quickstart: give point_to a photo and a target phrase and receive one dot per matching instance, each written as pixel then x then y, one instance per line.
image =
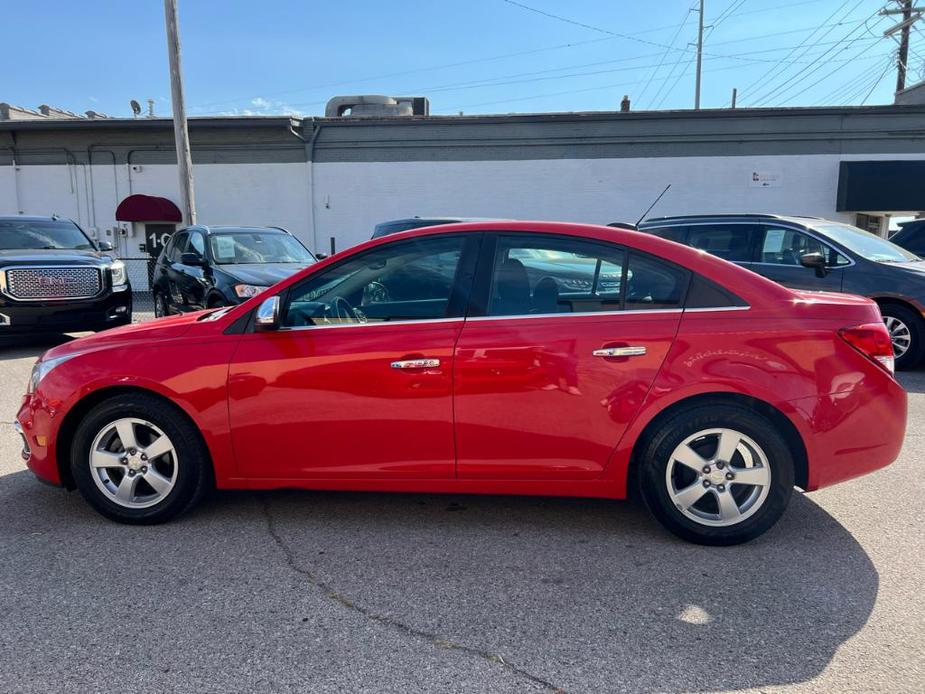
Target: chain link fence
pixel 140 272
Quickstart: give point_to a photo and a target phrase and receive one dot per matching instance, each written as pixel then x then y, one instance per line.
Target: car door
pixel 173 267
pixel 358 381
pixel 780 249
pixel 194 280
pixel 564 339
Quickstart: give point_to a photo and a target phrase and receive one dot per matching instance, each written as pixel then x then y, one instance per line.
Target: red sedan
pixel 494 357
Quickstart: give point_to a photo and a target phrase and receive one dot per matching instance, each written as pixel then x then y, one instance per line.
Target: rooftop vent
pixel 375 106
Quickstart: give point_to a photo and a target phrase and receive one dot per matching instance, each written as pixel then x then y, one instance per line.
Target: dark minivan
pixel 817 254
pixel 211 266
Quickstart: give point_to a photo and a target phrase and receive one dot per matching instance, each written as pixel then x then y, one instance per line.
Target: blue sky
pixel 475 56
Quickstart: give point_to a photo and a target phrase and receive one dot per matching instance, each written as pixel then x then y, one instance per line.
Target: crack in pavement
pixel 391 622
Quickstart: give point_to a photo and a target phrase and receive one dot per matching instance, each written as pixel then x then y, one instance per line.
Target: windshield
pixel 867 245
pixel 25 234
pixel 257 247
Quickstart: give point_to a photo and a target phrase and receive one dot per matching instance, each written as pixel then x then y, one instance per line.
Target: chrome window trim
pixel 291 328
pixel 3 282
pixel 716 308
pixel 578 314
pixel 786 225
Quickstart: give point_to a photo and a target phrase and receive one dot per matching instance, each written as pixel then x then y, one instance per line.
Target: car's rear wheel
pixel 136 459
pixel 716 474
pixel 907 333
pixel 160 305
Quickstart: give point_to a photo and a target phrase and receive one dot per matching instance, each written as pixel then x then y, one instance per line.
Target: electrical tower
pixel 910 15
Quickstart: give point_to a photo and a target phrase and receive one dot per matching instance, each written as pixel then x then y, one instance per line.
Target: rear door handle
pixel 619 352
pixel 416 364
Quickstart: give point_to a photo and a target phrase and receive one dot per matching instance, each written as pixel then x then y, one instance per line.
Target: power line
pixel 773 71
pixel 812 68
pixel 877 82
pixel 661 61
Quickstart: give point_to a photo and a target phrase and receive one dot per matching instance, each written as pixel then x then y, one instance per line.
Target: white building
pixel 325 178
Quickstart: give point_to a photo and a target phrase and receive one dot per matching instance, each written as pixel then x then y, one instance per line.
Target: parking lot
pixel 301 591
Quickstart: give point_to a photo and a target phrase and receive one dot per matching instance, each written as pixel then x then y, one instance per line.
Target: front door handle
pixel 416 364
pixel 619 352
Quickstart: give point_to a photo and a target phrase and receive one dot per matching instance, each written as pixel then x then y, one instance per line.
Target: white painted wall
pixel 350 198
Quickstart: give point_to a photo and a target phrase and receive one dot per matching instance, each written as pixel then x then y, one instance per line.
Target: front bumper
pixel 38 429
pixel 112 309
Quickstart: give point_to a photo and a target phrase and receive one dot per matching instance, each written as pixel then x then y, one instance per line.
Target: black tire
pixel 193 467
pixel 916 350
pixel 656 454
pixel 160 305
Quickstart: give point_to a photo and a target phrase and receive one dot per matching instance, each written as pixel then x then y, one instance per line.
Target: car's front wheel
pixel 907 333
pixel 716 474
pixel 136 459
pixel 160 305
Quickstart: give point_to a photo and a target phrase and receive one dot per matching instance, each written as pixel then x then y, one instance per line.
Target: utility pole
pixel 910 15
pixel 180 130
pixel 699 59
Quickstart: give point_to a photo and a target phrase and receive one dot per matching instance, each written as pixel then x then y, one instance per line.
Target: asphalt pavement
pixel 346 592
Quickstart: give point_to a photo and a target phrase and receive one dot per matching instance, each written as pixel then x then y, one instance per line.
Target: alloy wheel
pixel 900 335
pixel 718 477
pixel 133 462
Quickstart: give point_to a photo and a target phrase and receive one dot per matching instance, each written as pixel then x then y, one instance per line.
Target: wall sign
pixel 765 179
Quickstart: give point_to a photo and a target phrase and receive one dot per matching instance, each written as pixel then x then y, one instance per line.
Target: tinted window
pixel 671 233
pixel 197 244
pixel 702 293
pixel 652 283
pixel 732 242
pixel 177 247
pixel 542 275
pixel 785 247
pixel 408 280
pixel 41 234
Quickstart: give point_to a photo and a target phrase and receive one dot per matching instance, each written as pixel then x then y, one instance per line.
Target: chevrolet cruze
pixel 469 358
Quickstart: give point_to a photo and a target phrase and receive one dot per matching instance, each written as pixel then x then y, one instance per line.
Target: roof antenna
pixel 649 209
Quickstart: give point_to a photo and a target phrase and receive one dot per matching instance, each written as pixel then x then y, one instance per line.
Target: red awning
pixel 147 208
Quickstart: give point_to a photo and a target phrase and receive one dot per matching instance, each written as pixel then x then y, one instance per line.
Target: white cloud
pixel 261 103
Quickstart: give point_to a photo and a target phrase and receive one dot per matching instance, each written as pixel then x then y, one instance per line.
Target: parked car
pixel 213 266
pixel 55 279
pixel 396 225
pixel 817 254
pixel 709 388
pixel 911 236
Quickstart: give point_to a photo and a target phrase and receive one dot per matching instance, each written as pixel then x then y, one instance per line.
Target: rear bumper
pixel 853 432
pixel 108 311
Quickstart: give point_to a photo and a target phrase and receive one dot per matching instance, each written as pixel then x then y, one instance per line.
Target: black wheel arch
pixel 76 414
pixel 778 418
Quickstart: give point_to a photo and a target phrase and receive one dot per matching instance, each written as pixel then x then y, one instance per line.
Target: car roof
pixel 33 218
pixel 224 229
pixel 804 220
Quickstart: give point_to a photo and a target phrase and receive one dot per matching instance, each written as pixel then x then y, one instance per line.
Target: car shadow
pixel 580 594
pixel 913 381
pixel 20 346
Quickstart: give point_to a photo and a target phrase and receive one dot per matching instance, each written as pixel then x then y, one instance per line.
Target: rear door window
pixel 733 242
pixel 653 283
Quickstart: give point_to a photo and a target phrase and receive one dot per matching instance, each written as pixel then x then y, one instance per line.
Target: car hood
pixel 158 329
pixel 52 257
pixel 262 275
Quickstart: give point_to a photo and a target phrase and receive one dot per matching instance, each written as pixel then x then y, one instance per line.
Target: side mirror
pixel 267 317
pixel 193 259
pixel 104 245
pixel 814 261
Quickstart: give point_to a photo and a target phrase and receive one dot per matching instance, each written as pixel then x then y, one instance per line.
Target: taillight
pixel 873 341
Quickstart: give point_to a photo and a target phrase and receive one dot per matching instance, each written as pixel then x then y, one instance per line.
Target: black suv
pixel 55 279
pixel 817 254
pixel 210 266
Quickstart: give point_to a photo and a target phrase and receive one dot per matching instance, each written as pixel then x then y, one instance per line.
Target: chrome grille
pixel 53 282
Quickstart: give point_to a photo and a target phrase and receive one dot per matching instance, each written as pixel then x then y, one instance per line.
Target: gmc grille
pixel 53 283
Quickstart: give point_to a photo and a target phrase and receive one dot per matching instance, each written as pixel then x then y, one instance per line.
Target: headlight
pixel 118 273
pixel 42 368
pixel 246 291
